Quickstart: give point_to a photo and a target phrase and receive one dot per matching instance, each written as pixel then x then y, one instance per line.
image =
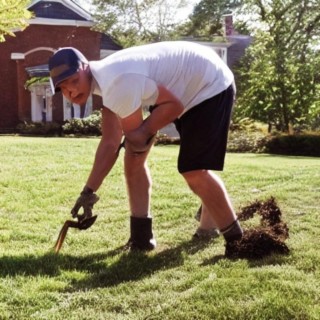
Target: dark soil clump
pixel 267 238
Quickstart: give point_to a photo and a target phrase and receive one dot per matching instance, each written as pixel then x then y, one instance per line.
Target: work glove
pixel 86 201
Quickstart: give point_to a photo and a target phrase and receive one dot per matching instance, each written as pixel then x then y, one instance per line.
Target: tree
pixel 278 81
pixel 206 19
pixel 133 22
pixel 13 15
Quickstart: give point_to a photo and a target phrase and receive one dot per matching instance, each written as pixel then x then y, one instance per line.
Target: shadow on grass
pixel 273 259
pixel 104 269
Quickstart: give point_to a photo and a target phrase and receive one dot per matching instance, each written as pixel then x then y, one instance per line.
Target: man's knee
pixel 135 163
pixel 133 158
pixel 195 178
pixel 139 150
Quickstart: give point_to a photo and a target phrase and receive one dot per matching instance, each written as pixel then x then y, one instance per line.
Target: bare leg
pixel 212 192
pixel 207 229
pixel 138 181
pixel 206 220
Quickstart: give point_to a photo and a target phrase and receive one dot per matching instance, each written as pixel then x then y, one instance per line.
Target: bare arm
pixel 138 132
pixel 169 107
pixel 107 151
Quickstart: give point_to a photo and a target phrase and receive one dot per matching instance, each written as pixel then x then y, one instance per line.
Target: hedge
pixel 296 145
pixel 239 140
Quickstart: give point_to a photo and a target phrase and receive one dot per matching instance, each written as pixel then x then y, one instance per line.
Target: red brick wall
pixel 15 102
pixel 8 84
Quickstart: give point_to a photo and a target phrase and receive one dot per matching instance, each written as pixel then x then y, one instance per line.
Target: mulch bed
pixel 263 240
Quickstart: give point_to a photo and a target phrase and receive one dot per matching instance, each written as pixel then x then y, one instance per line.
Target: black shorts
pixel 204 133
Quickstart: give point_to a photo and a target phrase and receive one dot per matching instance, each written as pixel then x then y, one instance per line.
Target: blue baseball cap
pixel 63 64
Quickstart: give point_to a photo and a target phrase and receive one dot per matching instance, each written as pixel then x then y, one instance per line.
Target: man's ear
pixel 85 66
pixel 86 69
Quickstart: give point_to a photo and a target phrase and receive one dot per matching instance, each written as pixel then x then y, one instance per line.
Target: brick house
pixel 56 23
pixel 60 23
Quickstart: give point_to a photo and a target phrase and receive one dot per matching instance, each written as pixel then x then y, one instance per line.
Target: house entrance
pixel 41 103
pixel 75 111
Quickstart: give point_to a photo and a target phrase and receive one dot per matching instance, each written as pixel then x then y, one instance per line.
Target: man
pixel 181 82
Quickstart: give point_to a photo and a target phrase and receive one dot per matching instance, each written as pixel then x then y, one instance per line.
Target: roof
pixel 60 12
pixel 66 13
pixel 38 71
pixel 108 43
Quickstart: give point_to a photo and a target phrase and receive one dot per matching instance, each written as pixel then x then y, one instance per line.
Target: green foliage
pixel 244 141
pixel 13 15
pixel 297 145
pixel 249 136
pixel 87 126
pixel 36 80
pixel 246 136
pixel 163 139
pixel 278 80
pixel 135 22
pixel 206 19
pixel 90 126
pixel 39 128
pixel 313 115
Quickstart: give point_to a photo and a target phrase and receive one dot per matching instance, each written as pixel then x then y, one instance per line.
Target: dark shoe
pixel 141 236
pixel 207 235
pixel 233 232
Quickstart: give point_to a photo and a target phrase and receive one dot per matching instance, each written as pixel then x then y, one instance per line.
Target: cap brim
pixel 56 81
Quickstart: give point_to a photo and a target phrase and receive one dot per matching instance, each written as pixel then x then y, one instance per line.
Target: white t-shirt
pixel 128 79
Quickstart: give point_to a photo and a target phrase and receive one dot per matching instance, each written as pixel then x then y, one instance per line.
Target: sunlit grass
pixel 92 278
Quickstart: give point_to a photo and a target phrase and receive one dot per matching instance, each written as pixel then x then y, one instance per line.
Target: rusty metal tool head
pixel 84 222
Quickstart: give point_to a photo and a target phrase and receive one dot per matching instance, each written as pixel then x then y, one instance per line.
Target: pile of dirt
pixel 267 238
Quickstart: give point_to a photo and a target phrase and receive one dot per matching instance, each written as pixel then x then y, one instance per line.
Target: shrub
pixel 87 126
pixel 297 145
pixel 246 136
pixel 244 141
pixel 39 128
pixel 164 139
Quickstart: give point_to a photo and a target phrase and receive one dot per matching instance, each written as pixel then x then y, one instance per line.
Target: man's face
pixel 77 88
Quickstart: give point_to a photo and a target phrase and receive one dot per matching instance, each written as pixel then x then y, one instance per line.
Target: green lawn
pixel 93 278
